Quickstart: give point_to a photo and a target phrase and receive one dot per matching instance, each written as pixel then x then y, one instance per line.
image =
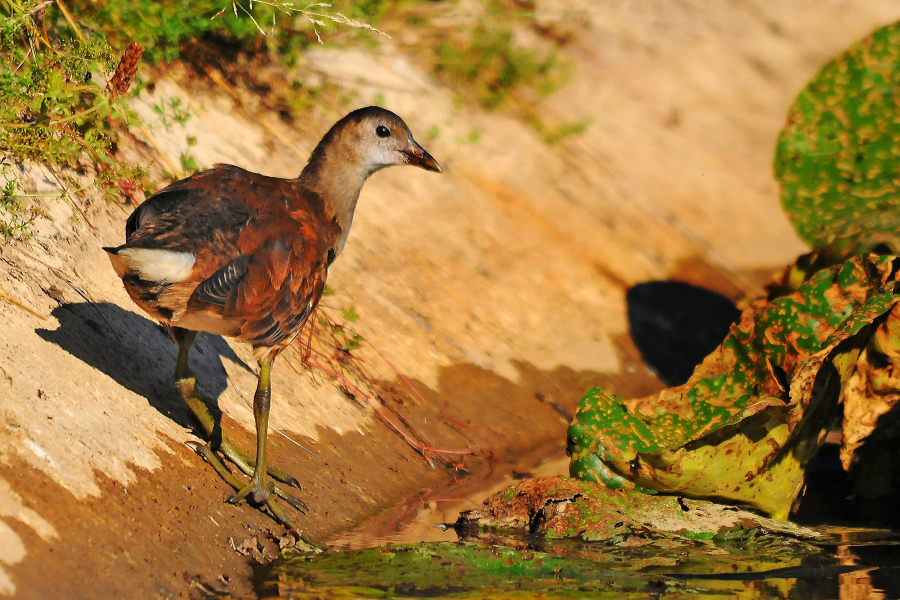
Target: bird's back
pixel 230 252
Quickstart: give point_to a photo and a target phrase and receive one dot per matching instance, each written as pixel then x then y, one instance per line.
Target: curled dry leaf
pixel 745 425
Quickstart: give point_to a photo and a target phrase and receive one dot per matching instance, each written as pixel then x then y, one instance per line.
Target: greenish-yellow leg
pixel 260 490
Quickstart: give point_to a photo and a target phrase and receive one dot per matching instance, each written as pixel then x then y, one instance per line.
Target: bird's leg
pixel 187 385
pixel 246 462
pixel 260 490
pixel 217 440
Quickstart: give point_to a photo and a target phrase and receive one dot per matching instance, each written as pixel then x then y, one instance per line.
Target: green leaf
pixel 352 342
pixel 836 159
pixel 749 419
pixel 350 315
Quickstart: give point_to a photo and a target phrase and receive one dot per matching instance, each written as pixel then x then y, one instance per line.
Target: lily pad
pixel 743 428
pixel 836 160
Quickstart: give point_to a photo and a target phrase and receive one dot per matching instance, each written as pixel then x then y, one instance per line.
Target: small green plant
pixel 552 135
pixel 188 163
pixel 471 138
pixel 344 338
pixel 171 112
pixel 487 62
pixel 15 218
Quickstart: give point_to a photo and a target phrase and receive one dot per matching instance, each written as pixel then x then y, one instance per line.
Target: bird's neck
pixel 337 180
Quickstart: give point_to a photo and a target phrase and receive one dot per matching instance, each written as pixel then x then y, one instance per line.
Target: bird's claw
pixel 246 462
pixel 256 491
pixel 297 503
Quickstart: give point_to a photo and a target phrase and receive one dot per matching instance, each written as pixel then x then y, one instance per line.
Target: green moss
pixel 52 110
pixel 510 493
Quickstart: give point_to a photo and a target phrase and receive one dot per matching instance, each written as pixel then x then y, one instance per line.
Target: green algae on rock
pixel 491 568
pixel 559 507
pixel 836 157
pixel 743 428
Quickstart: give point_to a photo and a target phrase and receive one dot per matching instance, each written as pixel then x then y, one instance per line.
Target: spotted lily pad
pixel 743 428
pixel 837 159
pixel 871 394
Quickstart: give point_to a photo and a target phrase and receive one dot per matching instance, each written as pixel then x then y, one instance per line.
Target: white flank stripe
pixel 154 264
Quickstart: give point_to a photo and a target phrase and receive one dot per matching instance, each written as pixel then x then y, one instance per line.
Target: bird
pixel 244 255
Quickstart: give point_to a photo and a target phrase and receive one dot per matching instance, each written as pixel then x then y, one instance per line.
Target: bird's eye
pixel 382 131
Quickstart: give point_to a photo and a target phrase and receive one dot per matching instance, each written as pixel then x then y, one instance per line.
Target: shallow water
pixel 406 553
pixel 487 566
pixel 420 519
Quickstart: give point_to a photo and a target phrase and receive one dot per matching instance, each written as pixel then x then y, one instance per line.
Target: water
pixel 405 553
pixel 488 566
pixel 420 519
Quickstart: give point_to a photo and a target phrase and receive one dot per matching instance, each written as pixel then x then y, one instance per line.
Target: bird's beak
pixel 418 156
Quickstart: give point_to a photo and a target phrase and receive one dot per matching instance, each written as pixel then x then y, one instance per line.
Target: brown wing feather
pixel 228 214
pixel 284 280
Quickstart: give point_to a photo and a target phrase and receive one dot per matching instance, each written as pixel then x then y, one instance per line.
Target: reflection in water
pixel 419 519
pixel 494 566
pixel 403 553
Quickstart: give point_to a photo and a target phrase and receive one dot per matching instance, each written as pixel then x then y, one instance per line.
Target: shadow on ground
pixel 139 355
pixel 675 325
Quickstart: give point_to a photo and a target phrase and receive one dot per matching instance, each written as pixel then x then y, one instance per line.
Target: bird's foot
pixel 257 491
pixel 263 494
pixel 246 462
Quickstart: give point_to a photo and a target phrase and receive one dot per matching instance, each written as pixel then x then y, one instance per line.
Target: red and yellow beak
pixel 418 156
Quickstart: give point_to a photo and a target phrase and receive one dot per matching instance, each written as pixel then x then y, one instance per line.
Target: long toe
pixel 297 503
pixel 206 451
pixel 246 462
pixel 279 514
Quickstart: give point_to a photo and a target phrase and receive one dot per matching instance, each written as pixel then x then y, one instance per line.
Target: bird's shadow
pixel 139 355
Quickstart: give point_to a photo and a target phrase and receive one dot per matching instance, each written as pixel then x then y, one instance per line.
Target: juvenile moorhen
pixel 244 255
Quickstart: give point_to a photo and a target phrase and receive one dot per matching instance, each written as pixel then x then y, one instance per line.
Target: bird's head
pixel 374 138
pixel 365 141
